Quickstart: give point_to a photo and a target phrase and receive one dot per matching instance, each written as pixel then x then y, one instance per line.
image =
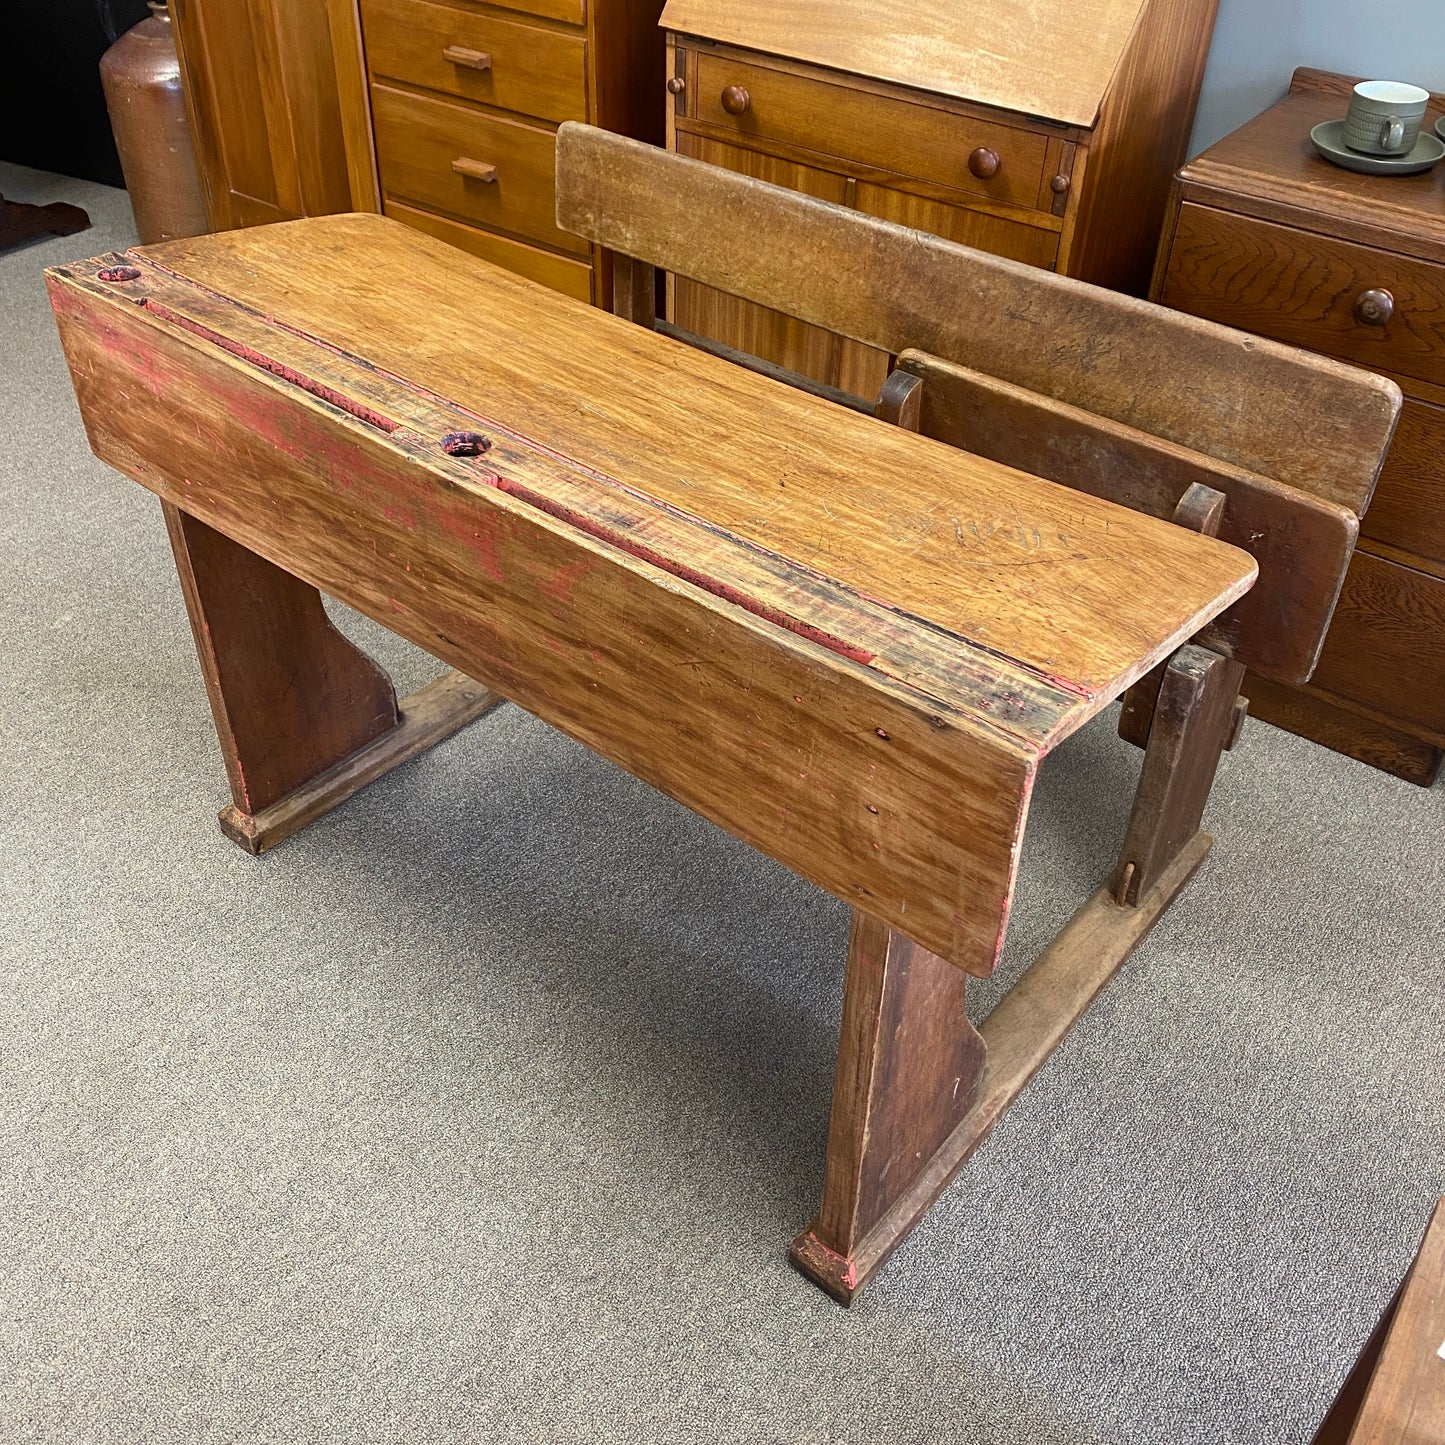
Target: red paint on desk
pixel 682 570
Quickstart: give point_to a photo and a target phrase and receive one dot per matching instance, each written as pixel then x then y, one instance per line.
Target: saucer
pixel 1328 141
pixel 1440 127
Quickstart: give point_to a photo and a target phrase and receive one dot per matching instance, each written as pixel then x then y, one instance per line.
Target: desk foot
pixel 303 716
pixel 428 716
pixel 1025 1028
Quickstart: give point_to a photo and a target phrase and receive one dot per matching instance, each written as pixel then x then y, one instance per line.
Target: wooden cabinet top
pixel 1049 58
pixel 1269 168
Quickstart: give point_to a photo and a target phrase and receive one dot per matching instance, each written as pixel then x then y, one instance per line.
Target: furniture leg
pixel 634 290
pixel 909 1064
pixel 918 1087
pixel 304 718
pixel 21 222
pixel 1193 721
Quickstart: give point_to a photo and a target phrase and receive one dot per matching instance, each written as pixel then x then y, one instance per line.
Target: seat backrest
pixel 1281 414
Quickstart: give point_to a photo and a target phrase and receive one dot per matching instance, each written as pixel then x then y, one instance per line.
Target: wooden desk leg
pixel 1192 722
pixel 304 718
pixel 918 1087
pixel 909 1064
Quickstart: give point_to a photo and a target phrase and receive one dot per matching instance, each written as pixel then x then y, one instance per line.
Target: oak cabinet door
pixel 261 92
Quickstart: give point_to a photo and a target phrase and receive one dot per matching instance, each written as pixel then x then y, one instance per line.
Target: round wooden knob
pixel 1059 185
pixel 1374 307
pixel 984 163
pixel 676 85
pixel 735 99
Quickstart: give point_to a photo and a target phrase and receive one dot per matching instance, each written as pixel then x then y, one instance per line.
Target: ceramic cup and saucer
pixel 1382 134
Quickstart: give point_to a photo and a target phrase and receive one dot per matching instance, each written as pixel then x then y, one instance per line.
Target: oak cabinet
pixel 261 96
pixel 1264 235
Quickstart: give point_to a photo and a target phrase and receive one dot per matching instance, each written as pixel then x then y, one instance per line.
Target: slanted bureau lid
pixel 1050 58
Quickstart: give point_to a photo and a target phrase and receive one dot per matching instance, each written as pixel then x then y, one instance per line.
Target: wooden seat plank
pixel 1304 420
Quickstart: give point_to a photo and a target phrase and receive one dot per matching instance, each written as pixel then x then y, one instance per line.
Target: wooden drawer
pixel 418 139
pixel 1302 288
pixel 1312 715
pixel 572 12
pixel 532 70
pixel 1386 647
pixel 871 132
pixel 571 278
pixel 1408 511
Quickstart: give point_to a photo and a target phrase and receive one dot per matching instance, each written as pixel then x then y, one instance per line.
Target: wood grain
pixel 428 716
pixel 804 738
pixel 1398 1398
pixel 533 70
pixel 1141 138
pixel 290 696
pixel 353 97
pixel 1333 723
pixel 1241 400
pixel 418 138
pixel 1267 235
pixel 1302 543
pixel 261 95
pixel 1408 510
pixel 1016 565
pixel 1028 1024
pixel 571 275
pixel 1303 288
pixel 1269 169
pixel 1193 717
pixel 909 1064
pixel 1386 649
pixel 760 331
pixel 884 132
pixel 1053 60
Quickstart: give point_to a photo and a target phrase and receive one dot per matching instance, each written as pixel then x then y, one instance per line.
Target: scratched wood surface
pixel 1052 59
pixel 1302 543
pixel 1075 589
pixel 827 682
pixel 1236 397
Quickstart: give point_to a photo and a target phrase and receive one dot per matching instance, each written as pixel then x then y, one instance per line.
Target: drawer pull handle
pixel 984 163
pixel 476 170
pixel 1375 307
pixel 676 85
pixel 735 99
pixel 472 59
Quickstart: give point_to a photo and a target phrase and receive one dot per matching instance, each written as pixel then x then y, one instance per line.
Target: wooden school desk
pixel 849 645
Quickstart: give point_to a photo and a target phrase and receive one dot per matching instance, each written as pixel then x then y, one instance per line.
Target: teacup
pixel 1384 117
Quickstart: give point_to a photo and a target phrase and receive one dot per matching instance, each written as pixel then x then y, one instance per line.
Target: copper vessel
pixel 141 75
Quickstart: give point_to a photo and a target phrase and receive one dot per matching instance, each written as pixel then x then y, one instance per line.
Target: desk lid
pixel 1050 58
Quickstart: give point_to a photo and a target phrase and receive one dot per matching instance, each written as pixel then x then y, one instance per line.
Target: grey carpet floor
pixel 483 1110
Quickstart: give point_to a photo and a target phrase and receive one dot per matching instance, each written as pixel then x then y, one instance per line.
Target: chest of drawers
pixel 1040 130
pixel 451 109
pixel 1264 235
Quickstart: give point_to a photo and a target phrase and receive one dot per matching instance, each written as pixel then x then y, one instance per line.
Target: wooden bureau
pixel 1264 235
pixel 1041 130
pixel 451 107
